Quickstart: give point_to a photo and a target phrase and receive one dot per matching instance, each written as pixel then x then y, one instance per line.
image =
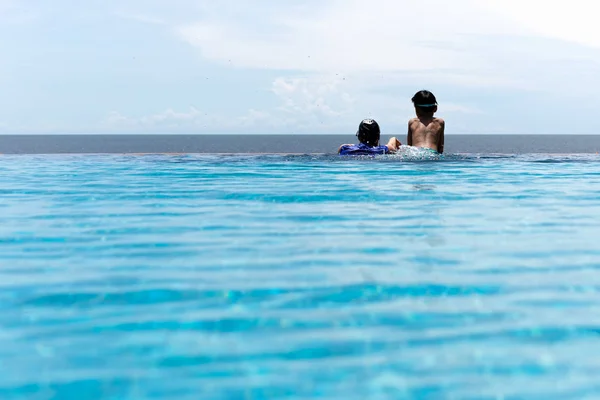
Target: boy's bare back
pixel 426 132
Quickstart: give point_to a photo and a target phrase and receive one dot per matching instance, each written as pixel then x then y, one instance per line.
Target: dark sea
pixel 303 144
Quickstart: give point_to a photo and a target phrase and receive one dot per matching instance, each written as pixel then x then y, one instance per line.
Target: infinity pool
pixel 296 277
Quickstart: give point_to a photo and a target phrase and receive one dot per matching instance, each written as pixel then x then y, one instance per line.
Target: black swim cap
pixel 424 99
pixel 368 132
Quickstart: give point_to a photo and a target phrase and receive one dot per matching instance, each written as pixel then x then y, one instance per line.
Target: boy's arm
pixel 340 148
pixel 393 145
pixel 441 138
pixel 409 135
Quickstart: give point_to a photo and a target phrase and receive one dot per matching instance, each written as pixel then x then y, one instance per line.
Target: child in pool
pixel 368 136
pixel 426 131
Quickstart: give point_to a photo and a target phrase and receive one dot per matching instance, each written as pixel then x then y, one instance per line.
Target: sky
pixel 295 67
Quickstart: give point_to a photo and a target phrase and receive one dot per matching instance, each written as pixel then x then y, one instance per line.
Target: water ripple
pixel 466 276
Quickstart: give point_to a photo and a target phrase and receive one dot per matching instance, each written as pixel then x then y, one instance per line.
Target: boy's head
pixel 425 102
pixel 368 132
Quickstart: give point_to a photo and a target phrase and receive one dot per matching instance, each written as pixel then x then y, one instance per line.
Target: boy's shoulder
pixel 345 146
pixel 416 120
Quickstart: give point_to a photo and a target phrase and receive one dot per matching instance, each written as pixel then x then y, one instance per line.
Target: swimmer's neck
pixel 425 119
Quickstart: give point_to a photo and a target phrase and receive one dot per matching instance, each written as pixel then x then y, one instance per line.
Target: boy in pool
pixel 426 131
pixel 368 136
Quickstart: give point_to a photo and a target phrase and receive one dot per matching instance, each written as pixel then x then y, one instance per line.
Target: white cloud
pixel 573 20
pixel 189 120
pixel 354 35
pixel 305 103
pixel 339 61
pixel 327 103
pixel 467 43
pixel 321 95
pixel 329 63
pixel 168 119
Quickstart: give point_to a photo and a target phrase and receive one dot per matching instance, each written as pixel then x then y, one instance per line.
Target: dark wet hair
pixel 424 100
pixel 368 132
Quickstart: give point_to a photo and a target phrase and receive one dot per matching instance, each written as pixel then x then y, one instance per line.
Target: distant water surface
pixel 304 144
pixel 192 277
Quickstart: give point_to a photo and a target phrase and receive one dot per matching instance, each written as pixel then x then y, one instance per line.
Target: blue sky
pixel 266 66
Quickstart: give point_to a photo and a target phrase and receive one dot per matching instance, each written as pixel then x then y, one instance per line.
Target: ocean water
pixel 299 277
pixel 285 143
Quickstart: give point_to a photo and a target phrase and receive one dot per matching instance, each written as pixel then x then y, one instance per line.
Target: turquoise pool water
pixel 296 277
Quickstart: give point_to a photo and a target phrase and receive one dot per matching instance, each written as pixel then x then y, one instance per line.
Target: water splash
pixel 411 153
